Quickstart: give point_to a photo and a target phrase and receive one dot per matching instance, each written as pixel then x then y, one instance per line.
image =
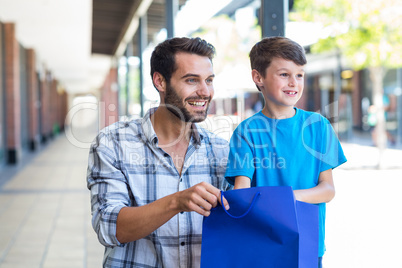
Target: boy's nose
pixel 292 81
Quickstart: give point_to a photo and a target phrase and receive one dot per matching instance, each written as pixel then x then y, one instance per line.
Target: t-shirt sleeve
pixel 332 155
pixel 240 161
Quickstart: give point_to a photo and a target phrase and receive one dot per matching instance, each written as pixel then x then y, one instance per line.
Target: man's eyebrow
pixel 195 75
pixel 190 75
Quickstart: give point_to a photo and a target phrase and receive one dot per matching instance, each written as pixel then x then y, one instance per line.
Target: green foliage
pixel 326 12
pixel 366 32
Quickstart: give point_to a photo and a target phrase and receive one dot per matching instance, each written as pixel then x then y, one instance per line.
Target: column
pixel 13 100
pixel 33 100
pixel 108 106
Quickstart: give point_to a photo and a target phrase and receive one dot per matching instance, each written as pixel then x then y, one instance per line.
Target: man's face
pixel 190 90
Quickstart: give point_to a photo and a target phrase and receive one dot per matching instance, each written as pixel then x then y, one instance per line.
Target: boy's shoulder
pixel 253 120
pixel 309 117
pixel 302 117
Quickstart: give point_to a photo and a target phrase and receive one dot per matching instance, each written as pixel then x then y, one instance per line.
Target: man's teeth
pixel 197 103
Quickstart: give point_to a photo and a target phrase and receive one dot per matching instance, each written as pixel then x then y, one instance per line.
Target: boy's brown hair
pixel 268 48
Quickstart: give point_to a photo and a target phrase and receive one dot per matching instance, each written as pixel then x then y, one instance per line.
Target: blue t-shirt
pixel 285 152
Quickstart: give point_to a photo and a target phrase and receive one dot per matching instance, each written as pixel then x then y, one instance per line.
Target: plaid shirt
pixel 126 167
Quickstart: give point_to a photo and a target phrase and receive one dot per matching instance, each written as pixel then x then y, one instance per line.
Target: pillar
pixel 13 98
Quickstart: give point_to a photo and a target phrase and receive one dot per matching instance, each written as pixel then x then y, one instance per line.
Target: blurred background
pixel 70 68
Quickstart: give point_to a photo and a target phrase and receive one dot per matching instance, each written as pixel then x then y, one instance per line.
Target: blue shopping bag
pixel 264 227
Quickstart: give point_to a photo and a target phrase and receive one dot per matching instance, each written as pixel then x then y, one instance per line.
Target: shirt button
pixel 182 243
pixel 182 212
pixel 166 155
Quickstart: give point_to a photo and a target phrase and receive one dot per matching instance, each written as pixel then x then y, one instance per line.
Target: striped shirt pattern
pixel 126 167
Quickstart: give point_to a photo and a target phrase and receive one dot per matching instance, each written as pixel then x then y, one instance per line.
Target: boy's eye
pixel 300 75
pixel 284 74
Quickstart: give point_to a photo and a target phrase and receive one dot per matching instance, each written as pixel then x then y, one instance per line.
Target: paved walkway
pixel 364 220
pixel 45 211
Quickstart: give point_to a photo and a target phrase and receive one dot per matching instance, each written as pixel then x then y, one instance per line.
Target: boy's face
pixel 282 85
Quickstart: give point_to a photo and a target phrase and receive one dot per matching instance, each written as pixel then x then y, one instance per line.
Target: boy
pixel 283 145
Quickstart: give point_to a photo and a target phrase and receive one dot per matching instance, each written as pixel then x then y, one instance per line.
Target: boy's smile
pixel 291 93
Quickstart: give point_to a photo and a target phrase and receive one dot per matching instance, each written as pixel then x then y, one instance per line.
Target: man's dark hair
pixel 163 57
pixel 268 48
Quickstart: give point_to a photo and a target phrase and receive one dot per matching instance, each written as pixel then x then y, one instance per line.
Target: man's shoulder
pixel 122 127
pixel 211 137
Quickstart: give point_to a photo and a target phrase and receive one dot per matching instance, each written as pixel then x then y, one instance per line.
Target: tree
pixel 368 34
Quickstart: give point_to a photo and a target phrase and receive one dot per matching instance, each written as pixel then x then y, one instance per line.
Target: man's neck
pixel 169 129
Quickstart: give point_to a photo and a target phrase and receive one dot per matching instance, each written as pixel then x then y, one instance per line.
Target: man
pixel 152 180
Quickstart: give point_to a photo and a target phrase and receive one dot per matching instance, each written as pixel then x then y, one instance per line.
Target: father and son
pixel 152 180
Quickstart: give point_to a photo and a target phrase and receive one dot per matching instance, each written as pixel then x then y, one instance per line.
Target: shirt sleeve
pixel 241 160
pixel 332 155
pixel 109 189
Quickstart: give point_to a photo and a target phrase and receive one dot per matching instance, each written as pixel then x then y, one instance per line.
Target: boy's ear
pixel 257 78
pixel 159 82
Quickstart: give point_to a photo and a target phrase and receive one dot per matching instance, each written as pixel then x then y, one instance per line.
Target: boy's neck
pixel 286 112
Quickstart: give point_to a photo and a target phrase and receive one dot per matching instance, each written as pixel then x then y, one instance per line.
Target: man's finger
pixel 199 209
pixel 225 202
pixel 216 192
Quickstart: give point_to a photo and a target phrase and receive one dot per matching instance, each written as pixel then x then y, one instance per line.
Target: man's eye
pixel 191 80
pixel 209 81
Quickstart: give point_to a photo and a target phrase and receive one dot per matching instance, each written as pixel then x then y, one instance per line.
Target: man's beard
pixel 177 107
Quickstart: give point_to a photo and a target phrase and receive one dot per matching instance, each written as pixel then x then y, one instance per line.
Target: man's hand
pixel 200 198
pixel 134 223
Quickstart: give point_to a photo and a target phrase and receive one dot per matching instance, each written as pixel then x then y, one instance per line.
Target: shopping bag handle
pixel 245 213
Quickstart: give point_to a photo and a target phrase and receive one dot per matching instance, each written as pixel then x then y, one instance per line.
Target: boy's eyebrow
pixel 286 69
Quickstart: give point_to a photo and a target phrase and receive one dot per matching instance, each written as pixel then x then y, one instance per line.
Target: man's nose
pixel 204 89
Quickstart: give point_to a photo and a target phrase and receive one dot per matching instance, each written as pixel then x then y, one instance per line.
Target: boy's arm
pixel 322 193
pixel 242 182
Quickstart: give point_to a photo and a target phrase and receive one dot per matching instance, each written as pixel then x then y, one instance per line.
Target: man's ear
pixel 257 78
pixel 159 82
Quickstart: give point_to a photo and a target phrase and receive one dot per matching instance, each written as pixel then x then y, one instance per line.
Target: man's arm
pixel 134 223
pixel 322 193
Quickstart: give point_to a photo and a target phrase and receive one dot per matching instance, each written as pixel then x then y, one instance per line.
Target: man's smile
pixel 197 103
